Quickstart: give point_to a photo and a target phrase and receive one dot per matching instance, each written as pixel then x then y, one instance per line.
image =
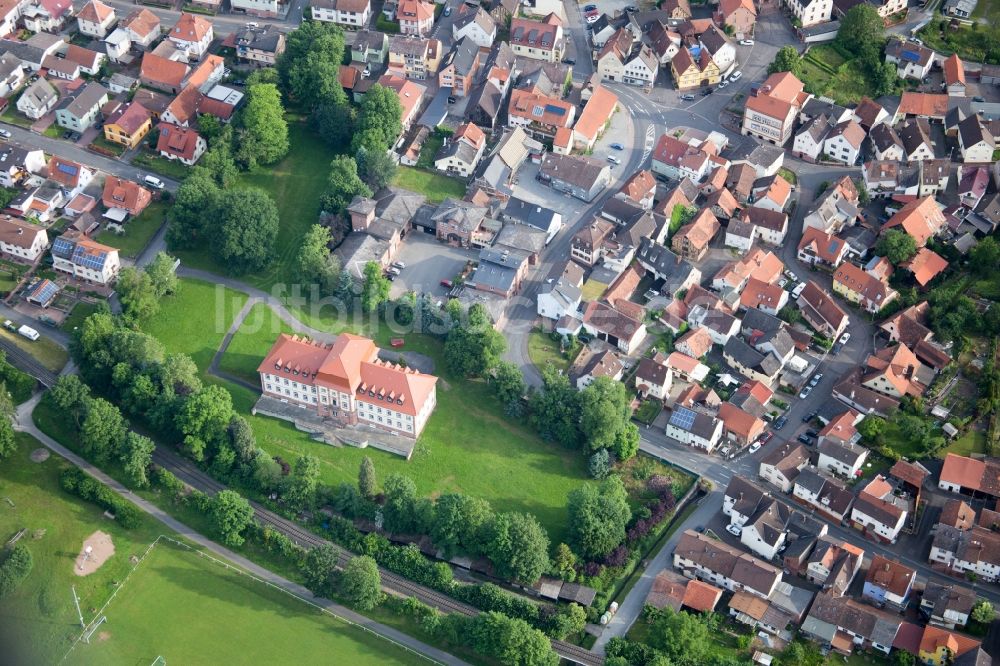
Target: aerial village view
pixel 500 332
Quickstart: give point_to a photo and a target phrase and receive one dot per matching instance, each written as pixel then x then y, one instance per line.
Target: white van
pixel 153 181
pixel 28 332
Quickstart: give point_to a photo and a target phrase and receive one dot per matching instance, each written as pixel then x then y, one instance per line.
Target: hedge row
pixel 75 482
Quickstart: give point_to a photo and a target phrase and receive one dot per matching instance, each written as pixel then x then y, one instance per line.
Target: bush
pixel 15 568
pixel 489 597
pixel 75 482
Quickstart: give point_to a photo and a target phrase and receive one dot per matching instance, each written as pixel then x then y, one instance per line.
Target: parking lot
pixel 427 263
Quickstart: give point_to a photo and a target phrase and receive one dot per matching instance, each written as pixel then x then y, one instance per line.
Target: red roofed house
pixel 639 189
pixel 896 371
pixel 821 311
pixel 192 34
pixel 162 74
pixel 692 240
pixel 142 26
pixel 95 19
pixel 954 76
pixel 415 17
pixel 820 248
pixel 128 124
pixel 862 288
pixel 539 114
pixel 769 298
pixel 921 218
pixel 539 40
pixel 740 14
pixel 346 383
pixel 410 95
pixel 125 194
pixel 939 647
pixel 701 597
pixel 738 425
pixel 771 111
pixel 180 143
pixel 594 118
pixel 925 266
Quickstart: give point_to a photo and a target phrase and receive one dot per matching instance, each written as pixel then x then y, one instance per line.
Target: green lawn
pixel 432 144
pixel 44 349
pixel 971 442
pixel 80 312
pixel 54 131
pixel 543 350
pixel 468 445
pixel 973 43
pixel 826 72
pixel 195 320
pixel 13 116
pixel 138 231
pixel 435 186
pixel 161 165
pixel 101 143
pixel 296 184
pixel 190 610
pixel 41 609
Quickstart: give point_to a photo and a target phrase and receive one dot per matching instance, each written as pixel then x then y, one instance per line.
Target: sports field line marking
pixel 238 570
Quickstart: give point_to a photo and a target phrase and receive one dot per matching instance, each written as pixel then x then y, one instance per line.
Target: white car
pixel 844 338
pixel 723 83
pixel 754 448
pixel 735 76
pixel 5 133
pixel 735 530
pixel 805 392
pixel 746 42
pixel 799 288
pixel 593 19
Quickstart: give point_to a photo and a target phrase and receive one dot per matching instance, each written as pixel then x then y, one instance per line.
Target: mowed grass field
pixel 191 610
pixel 38 621
pixel 468 446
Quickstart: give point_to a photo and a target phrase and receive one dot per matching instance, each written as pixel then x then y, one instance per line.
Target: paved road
pixel 24 423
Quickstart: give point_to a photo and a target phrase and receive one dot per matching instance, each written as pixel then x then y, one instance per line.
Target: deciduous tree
pixel 983 612
pixel 598 515
pixel 245 229
pixel 399 510
pixel 137 294
pixel 263 134
pixel 379 120
pixel 301 489
pixel 309 68
pixel 137 456
pixel 375 289
pixel 342 185
pixel 361 583
pixel 320 569
pixel 473 347
pixel 862 32
pixel 896 246
pixel 162 274
pixel 785 60
pixel 194 204
pixel 518 547
pixel 555 409
pixel 461 524
pixel 103 430
pixel 375 167
pixel 231 514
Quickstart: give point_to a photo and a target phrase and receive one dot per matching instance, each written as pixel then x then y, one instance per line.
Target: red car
pixel 766 437
pixel 446 283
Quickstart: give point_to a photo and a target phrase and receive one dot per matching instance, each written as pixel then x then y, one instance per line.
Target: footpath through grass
pixel 190 610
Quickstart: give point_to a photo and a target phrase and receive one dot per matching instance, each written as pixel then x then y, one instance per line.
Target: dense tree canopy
pixel 509 641
pixel 310 66
pixel 342 185
pixel 461 524
pixel 518 547
pixel 375 167
pixel 361 583
pixel 379 120
pixel 598 515
pixel 231 514
pixel 555 409
pixel 473 347
pixel 194 204
pixel 785 60
pixel 263 133
pixel 897 246
pixel 375 288
pixel 862 32
pixel 605 418
pixel 245 227
pixel 320 569
pixel 316 265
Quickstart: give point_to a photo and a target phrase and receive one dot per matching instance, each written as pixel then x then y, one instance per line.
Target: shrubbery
pixel 16 566
pixel 75 482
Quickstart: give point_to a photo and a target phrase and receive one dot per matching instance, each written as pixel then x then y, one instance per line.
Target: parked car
pixel 631 8
pixel 844 338
pixel 816 379
pixel 836 348
pixel 590 8
pixel 446 283
pixel 688 97
pixel 614 160
pixel 810 416
pixel 617 146
pixel 5 133
pixel 593 18
pixel 447 11
pixel 765 438
pixel 735 76
pixel 569 61
pixel 746 42
pixel 806 439
pixel 812 432
pixel 780 422
pixel 706 91
pixel 723 83
pixel 755 447
pixel 153 181
pixel 398 264
pixel 799 288
pixel 804 393
pixel 699 529
pixel 734 530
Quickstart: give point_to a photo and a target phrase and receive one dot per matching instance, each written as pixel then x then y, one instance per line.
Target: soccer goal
pixel 90 631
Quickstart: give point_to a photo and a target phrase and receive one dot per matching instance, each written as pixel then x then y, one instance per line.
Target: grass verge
pixel 138 231
pixel 44 350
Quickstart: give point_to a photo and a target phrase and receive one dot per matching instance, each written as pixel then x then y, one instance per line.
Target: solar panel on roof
pixel 91 260
pixel 62 247
pixel 551 108
pixel 682 418
pixel 47 292
pixel 67 168
pixel 911 55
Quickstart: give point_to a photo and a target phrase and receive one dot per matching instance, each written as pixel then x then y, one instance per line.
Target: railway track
pixel 190 474
pixel 24 361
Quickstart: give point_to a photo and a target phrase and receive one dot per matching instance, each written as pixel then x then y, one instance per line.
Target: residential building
pixel 860 287
pixel 370 47
pixel 782 465
pixel 915 135
pixel 706 559
pixel 354 14
pixel 954 76
pixel 843 142
pixel 808 142
pixel 819 248
pixel 692 240
pixel 580 177
pixel 739 426
pixel 618 329
pixel 965 552
pixel 37 99
pixel 693 428
pixel 95 19
pixel 79 111
pixel 886 142
pixel 84 259
pixel 772 108
pixel 830 498
pixel 48 15
pixel 912 60
pixel 835 208
pixel 764 296
pixel 833 565
pixel 142 26
pixel 539 114
pixel 676 159
pixel 461 153
pixel 677 274
pixel 192 34
pixel 810 12
pixel 740 15
pixel 476 24
pixel 162 73
pixel 844 623
pixel 690 71
pixel 878 512
pixel 125 195
pixel 970 476
pixel 460 67
pixel 70 176
pixel 599 364
pixel 940 647
pixel 410 94
pixel 500 272
pixel 22 240
pixel 260 8
pixel 947 606
pixel 415 17
pixel 821 311
pixel 414 57
pixel 183 144
pixel 539 40
pixel 12 73
pixel 259 45
pixel 128 124
pixel 639 188
pixel 896 372
pixel 925 266
pixel 347 383
pixel 18 164
pixel 750 362
pixel 959 8
pixel 653 377
pixel 975 141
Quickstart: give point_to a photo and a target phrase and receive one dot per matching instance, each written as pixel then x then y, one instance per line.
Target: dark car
pixel 569 61
pixel 706 92
pixel 447 11
pixel 631 8
pixel 590 8
pixel 618 146
pixel 812 433
pixel 780 422
pixel 806 439
pixel 809 417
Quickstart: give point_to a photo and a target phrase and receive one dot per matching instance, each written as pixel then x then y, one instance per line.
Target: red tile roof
pixel 120 193
pixel 596 113
pixel 179 141
pixel 925 266
pixel 190 28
